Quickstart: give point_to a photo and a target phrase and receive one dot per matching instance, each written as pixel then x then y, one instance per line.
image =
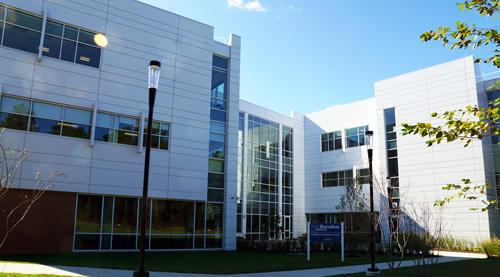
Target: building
pixel 73 92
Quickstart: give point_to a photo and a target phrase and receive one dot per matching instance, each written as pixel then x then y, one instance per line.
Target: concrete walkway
pixel 99 272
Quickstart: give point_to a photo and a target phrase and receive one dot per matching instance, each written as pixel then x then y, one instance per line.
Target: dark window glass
pixel 392 153
pixel 216 166
pixel 215 180
pixel 216 146
pixel 393 167
pixel 124 242
pixel 88 214
pixel 77 115
pixel 215 195
pixel 172 217
pixel 155 141
pixel 53 28
pixel 88 55
pixel 24 19
pixel 70 32
pixel 171 242
pixel 218 104
pixel 103 134
pixel 1 28
pixel 105 242
pixel 2 12
pixel 125 217
pixel 338 144
pixel 125 137
pixel 352 132
pixel 15 105
pixel 214 218
pixel 199 242
pixel 390 120
pixel 219 62
pixel 76 130
pixel 105 120
pixel 87 37
pixel 155 127
pixel 392 144
pixel 68 51
pixel 352 141
pixel 14 121
pixel 107 214
pixel 51 46
pixel 217 127
pixel 22 39
pixel 200 218
pixel 219 79
pixel 128 123
pixel 47 110
pixel 46 126
pixel 164 143
pixel 217 115
pixel 86 242
pixel 390 136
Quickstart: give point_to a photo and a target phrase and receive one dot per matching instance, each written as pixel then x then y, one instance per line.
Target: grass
pixel 29 275
pixel 196 262
pixel 479 267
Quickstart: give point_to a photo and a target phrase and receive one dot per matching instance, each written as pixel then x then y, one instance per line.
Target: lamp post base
pixel 141 274
pixel 372 271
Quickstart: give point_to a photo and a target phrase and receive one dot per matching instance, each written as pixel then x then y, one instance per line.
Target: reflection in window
pixel 356 136
pixel 22 31
pixel 331 141
pixel 336 178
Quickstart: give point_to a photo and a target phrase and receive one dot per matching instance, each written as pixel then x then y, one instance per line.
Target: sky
pixel 306 55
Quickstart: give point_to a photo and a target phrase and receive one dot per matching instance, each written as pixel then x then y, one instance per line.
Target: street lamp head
pixel 369 139
pixel 154 74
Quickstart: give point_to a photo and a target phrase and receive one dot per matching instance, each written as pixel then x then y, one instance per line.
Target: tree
pixel 353 201
pixel 11 161
pixel 472 122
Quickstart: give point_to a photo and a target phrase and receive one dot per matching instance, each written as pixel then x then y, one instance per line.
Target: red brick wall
pixel 47 228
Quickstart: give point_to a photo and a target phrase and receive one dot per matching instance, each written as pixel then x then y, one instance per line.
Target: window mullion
pixel 42 34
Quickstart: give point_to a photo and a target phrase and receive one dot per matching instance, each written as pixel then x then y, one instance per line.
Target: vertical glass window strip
pixel 392 166
pixel 241 134
pixel 287 180
pixel 495 140
pixel 216 153
pixel 22 31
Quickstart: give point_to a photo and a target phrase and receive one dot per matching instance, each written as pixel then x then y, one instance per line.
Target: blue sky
pixel 306 55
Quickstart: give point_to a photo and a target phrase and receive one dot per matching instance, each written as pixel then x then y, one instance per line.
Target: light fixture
pixel 369 139
pixel 154 74
pixel 101 40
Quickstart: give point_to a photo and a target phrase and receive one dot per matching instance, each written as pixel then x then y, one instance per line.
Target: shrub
pixel 492 248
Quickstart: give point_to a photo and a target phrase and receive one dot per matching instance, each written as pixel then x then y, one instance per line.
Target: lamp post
pixel 153 79
pixel 369 143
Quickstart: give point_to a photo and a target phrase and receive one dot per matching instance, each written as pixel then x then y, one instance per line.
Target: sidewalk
pixel 99 272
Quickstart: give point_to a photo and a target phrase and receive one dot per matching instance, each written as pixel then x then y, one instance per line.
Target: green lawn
pixel 469 268
pixel 196 262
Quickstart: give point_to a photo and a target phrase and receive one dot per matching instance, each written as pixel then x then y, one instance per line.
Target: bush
pixel 492 248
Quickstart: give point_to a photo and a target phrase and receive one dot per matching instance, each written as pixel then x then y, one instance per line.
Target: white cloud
pixel 254 5
pixel 291 7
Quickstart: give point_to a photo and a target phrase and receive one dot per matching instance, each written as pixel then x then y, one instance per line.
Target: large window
pixel 331 141
pixel 111 223
pixel 356 136
pixel 363 176
pixel 336 178
pixel 57 119
pixel 44 117
pixel 23 31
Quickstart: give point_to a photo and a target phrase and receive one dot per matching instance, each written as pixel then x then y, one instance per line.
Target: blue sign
pixel 325 232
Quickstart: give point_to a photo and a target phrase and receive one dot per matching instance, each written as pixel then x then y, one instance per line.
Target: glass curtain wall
pixel 262 172
pixel 111 223
pixel 217 152
pixel 241 134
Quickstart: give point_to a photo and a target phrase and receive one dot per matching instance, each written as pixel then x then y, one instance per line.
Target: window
pixel 363 176
pixel 125 130
pixel 22 31
pixel 331 141
pixel 336 178
pixel 47 118
pixel 356 136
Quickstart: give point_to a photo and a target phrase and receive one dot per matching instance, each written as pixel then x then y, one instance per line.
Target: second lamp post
pixel 153 79
pixel 369 143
